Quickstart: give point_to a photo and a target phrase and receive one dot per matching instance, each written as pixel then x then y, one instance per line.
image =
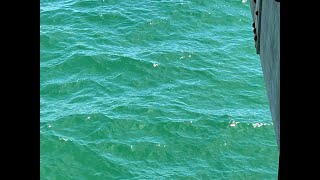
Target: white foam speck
pixel 189 56
pixel 49 126
pixel 158 145
pixel 234 123
pixel 65 139
pixel 88 117
pixel 155 64
pixel 225 144
pixel 244 1
pixel 257 125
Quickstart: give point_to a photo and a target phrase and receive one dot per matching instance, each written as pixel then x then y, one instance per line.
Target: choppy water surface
pixel 152 89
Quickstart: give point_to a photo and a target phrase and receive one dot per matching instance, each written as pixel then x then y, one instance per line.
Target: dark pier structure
pixel 266 34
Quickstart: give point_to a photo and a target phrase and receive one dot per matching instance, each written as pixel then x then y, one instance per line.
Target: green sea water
pixel 152 89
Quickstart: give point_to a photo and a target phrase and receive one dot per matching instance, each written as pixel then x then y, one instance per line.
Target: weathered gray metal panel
pixel 269 38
